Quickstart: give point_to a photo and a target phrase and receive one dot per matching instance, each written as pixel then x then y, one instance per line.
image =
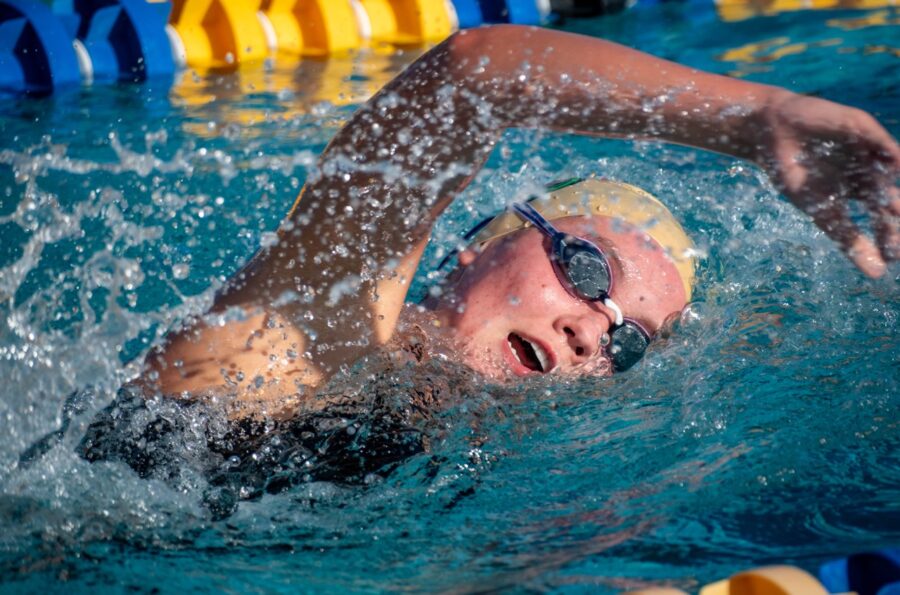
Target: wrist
pixel 758 131
pixel 736 118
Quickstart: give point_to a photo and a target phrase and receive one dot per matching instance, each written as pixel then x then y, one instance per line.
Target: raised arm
pixel 337 279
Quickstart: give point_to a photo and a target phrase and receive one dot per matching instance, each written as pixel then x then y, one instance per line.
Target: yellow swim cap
pixel 608 198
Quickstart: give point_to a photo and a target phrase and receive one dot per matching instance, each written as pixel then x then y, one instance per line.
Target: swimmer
pixel 545 290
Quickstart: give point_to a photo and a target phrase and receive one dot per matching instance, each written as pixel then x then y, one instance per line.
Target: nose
pixel 582 335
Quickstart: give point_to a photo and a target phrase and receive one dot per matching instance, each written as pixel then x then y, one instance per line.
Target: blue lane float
pixel 520 12
pixel 868 573
pixel 468 13
pixel 590 8
pixel 36 53
pixel 124 39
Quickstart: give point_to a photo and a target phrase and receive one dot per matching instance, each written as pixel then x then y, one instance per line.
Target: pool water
pixel 765 430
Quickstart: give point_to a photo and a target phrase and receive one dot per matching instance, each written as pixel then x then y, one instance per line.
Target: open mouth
pixel 531 355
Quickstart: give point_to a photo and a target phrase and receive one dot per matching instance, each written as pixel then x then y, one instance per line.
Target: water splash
pixel 761 428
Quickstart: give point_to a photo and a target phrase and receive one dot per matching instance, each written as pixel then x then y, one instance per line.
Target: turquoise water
pixel 764 430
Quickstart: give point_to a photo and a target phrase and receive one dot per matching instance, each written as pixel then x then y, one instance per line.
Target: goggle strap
pixel 615 308
pixel 531 215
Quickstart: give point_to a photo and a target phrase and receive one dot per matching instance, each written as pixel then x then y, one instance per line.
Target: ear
pixel 466 257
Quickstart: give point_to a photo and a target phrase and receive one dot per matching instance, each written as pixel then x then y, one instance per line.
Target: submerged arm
pixel 341 269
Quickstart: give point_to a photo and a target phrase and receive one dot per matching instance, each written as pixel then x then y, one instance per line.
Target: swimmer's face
pixel 511 316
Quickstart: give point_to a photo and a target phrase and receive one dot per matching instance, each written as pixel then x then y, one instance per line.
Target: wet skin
pixel 381 193
pixel 509 292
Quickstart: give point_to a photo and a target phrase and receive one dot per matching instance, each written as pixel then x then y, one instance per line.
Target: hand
pixel 822 155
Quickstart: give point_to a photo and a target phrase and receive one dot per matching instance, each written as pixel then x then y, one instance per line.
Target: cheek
pixel 508 297
pixel 512 284
pixel 520 287
pixel 494 296
pixel 540 297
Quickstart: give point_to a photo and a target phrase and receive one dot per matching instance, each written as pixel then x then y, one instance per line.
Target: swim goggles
pixel 583 270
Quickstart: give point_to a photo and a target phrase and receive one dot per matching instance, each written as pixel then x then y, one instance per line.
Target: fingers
pixel 875 188
pixel 832 218
pixel 792 175
pixel 866 256
pixel 864 129
pixel 888 149
pixel 886 222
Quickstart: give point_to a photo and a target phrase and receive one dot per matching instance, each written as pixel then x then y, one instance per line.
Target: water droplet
pixel 268 239
pixel 181 271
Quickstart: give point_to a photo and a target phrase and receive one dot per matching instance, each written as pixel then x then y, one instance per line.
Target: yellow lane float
pixel 405 22
pixel 310 27
pixel 218 33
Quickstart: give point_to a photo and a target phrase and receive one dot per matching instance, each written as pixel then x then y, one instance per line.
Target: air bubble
pixel 181 271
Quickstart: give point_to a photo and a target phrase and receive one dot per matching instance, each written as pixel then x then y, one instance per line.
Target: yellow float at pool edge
pixel 218 33
pixel 768 580
pixel 312 27
pixel 408 21
pixel 736 10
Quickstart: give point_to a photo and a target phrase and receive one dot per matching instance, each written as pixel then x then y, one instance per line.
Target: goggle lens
pixel 587 272
pixel 627 345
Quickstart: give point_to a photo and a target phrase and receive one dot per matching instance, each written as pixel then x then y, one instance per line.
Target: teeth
pixel 542 356
pixel 514 352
